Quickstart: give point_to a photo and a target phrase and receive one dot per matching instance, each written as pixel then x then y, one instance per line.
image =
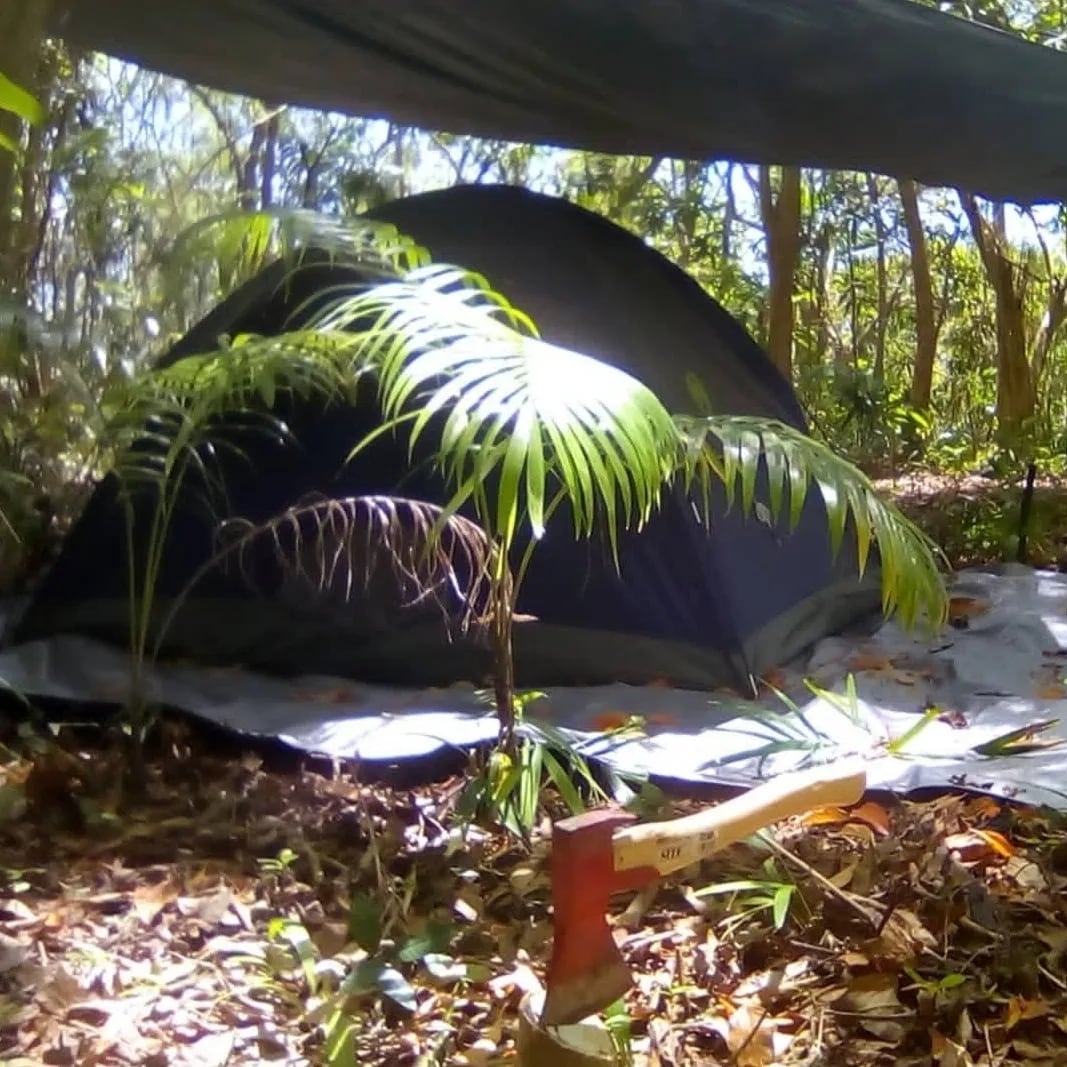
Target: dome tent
pixel 694 605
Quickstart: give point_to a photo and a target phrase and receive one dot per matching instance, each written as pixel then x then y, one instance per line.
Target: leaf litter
pixel 244 913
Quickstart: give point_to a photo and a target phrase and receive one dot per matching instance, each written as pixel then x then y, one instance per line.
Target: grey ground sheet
pixel 1001 667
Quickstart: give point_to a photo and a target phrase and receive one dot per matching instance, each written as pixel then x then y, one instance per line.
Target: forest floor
pixel 213 919
pixel 976 520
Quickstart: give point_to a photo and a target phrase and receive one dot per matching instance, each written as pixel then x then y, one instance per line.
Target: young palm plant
pixel 457 366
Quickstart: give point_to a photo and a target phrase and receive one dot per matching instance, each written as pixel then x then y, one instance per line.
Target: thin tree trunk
pixel 1055 311
pixel 729 215
pixel 781 224
pixel 922 379
pixel 853 303
pixel 882 282
pixel 269 168
pixel 21 34
pixel 1015 388
pixel 824 294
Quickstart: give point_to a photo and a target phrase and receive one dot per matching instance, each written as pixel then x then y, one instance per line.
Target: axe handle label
pixel 667 852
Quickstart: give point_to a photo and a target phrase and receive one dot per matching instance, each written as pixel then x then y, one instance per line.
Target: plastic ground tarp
pixel 1000 667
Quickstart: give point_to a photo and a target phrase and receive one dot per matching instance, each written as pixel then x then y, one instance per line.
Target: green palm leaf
pixel 733 449
pixel 242 242
pixel 536 418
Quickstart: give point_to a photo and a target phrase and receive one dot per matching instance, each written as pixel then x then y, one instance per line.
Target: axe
pixel 599 853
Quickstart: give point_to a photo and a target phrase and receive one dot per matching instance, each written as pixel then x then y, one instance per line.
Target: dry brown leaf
pixel 519 981
pixel 1026 874
pixel 869 813
pixel 983 809
pixel 149 900
pixel 869 661
pixel 824 817
pixel 902 938
pixel 972 846
pixel 906 678
pixel 997 842
pixel 526 879
pixel 607 722
pixel 874 815
pixel 1021 1009
pixel 62 990
pixel 948 1053
pixel 965 607
pixel 754 1037
pixel 212 1050
pixel 337 695
pixel 1051 692
pixel 14 951
pixel 843 877
pixel 873 997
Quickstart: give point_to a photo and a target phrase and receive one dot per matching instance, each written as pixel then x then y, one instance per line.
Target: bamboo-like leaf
pixel 18 101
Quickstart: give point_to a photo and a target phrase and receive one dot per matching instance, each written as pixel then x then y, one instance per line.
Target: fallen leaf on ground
pixel 974 845
pixel 902 938
pixel 873 999
pixel 869 661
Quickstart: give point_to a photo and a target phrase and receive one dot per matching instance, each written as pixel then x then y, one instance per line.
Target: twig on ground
pixel 858 904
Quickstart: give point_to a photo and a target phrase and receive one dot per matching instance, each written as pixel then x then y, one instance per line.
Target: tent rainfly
pixel 696 607
pixel 890 86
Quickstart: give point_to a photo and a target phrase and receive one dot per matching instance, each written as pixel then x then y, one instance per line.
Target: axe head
pixel 587 971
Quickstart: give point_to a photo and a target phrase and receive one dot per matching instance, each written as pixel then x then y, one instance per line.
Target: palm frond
pixel 243 241
pixel 738 450
pixel 372 553
pixel 518 424
pixel 184 413
pixel 536 419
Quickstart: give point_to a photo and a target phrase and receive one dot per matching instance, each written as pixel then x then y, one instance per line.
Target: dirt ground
pixel 221 918
pixel 976 520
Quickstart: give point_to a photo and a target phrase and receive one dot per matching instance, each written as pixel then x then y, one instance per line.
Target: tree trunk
pixel 729 215
pixel 882 281
pixel 1015 387
pixel 268 170
pixel 21 34
pixel 781 223
pixel 853 299
pixel 922 379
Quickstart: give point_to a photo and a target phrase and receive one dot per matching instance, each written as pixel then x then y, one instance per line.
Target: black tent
pixel 882 85
pixel 694 607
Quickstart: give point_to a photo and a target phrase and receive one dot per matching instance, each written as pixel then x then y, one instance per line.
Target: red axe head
pixel 587 971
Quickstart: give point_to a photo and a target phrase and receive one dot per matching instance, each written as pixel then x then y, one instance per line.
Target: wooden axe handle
pixel 671 845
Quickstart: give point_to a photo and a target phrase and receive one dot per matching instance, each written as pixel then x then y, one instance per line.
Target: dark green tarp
pixel 880 85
